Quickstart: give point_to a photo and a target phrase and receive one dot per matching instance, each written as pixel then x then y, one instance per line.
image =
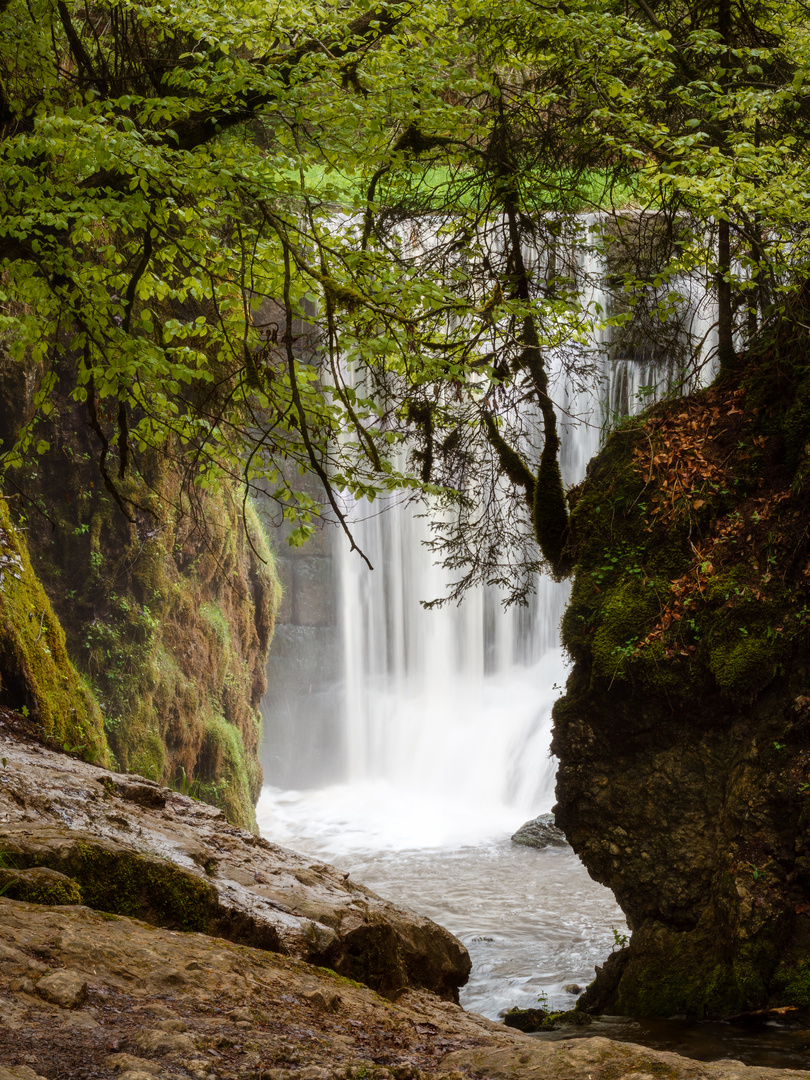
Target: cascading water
pixel 450 705
pixel 445 722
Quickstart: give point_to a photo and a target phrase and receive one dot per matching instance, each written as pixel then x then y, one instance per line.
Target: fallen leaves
pixel 676 458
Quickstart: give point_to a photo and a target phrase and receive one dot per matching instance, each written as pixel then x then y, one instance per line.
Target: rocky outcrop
pixel 82 994
pixel 684 734
pixel 130 847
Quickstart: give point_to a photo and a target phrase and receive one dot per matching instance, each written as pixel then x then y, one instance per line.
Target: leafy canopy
pixel 349 239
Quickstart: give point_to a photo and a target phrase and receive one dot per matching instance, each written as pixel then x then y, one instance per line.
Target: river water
pixel 532 920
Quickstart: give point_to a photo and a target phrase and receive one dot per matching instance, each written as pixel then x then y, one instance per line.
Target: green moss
pixel 626 613
pixel 126 883
pixel 224 754
pixel 744 650
pixel 549 512
pixel 342 979
pixel 37 677
pixel 605 506
pixel 685 981
pixel 213 617
pixel 33 888
pixel 702 972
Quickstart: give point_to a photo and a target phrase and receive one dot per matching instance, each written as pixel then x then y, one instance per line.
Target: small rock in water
pixel 540 832
pixel 573 988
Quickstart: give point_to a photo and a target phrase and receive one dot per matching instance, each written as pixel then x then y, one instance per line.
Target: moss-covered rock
pixel 684 734
pixel 109 878
pixel 37 677
pixel 40 885
pixel 168 616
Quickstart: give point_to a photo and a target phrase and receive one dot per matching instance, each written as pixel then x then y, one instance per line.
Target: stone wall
pixel 301 712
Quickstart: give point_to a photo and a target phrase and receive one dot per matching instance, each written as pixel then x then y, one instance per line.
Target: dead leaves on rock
pixel 676 459
pixel 690 458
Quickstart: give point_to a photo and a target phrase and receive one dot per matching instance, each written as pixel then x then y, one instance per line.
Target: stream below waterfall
pixel 532 920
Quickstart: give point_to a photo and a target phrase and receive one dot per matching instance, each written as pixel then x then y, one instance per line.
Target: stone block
pixel 65 988
pixel 313 592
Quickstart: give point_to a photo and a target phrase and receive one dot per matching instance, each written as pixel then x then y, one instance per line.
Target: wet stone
pixel 540 832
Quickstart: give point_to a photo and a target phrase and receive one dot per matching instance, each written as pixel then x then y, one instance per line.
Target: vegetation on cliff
pixel 170 625
pixel 37 677
pixel 683 735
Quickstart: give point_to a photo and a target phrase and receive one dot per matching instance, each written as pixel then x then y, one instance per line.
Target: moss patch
pixel 681 556
pixel 126 883
pixel 40 885
pixel 37 677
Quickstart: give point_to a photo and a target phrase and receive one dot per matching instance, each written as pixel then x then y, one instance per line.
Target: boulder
pixel 526 1019
pixel 121 844
pixel 540 832
pixel 682 738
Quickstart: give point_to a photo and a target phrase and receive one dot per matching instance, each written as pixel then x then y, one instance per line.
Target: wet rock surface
pixel 187 1006
pixel 127 846
pixel 540 832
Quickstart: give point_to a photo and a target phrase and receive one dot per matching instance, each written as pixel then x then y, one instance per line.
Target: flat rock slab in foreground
pixel 148 1002
pixel 139 849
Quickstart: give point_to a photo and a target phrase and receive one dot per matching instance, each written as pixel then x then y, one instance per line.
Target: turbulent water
pixel 532 920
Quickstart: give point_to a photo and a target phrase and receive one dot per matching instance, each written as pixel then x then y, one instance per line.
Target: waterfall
pixel 440 720
pixel 418 741
pixel 453 702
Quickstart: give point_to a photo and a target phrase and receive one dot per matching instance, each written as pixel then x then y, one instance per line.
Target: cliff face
pixel 36 675
pixel 168 617
pixel 684 734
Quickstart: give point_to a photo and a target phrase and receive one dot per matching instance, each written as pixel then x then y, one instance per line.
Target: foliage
pixel 698 580
pixel 351 238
